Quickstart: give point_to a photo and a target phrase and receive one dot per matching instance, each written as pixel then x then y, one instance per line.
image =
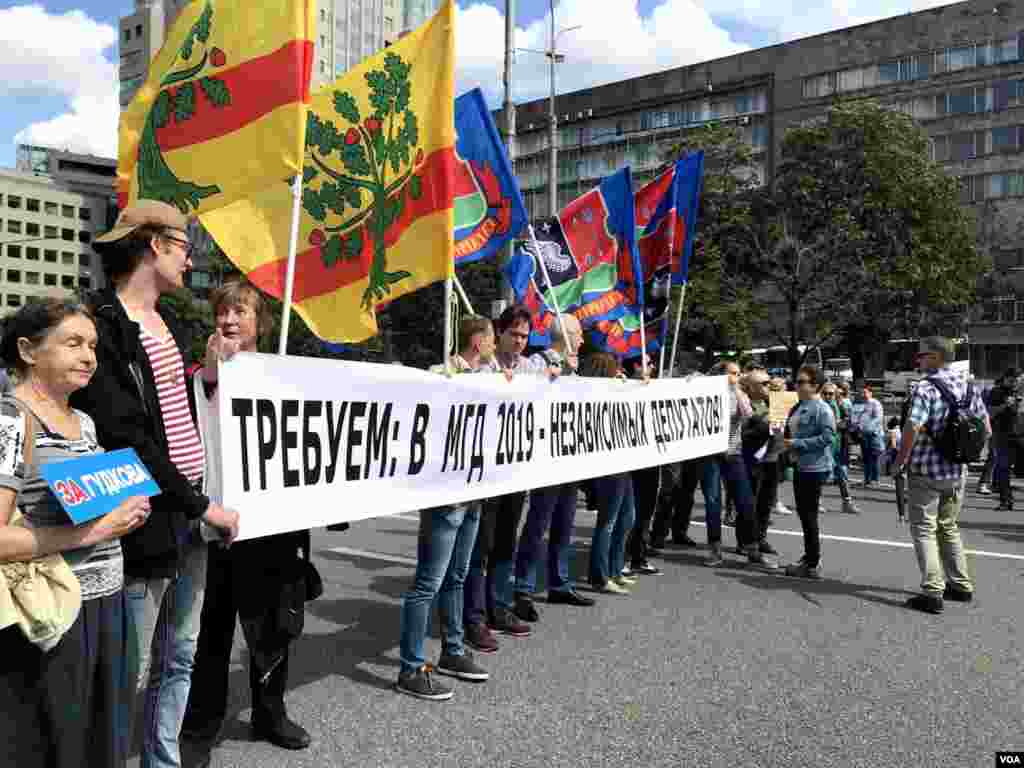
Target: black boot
pixel 268 678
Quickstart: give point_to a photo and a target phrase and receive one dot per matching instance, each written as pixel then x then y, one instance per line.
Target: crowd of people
pixel 162 582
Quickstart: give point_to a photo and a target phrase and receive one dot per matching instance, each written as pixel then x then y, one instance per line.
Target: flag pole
pixel 679 322
pixel 289 280
pixel 661 358
pixel 448 325
pixel 643 344
pixel 547 279
pixel 462 295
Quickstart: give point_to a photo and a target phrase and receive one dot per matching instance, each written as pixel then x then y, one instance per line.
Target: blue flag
pixel 489 209
pixel 689 183
pixel 590 253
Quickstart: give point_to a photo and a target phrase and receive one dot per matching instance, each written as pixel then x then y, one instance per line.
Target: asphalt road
pixel 697 667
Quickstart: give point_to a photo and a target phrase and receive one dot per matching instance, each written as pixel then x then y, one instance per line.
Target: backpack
pixel 963 437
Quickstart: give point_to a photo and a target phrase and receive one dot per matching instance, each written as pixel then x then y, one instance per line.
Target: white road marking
pixel 367 555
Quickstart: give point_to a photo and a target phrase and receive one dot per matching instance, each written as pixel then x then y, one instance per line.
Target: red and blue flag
pixel 489 209
pixel 590 253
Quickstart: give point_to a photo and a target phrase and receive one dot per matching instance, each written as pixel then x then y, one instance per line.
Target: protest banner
pixel 308 442
pixel 92 486
pixel 779 406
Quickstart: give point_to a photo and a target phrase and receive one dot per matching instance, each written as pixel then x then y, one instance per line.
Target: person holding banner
pixel 259 581
pixel 65 702
pixel 447 538
pixel 513 327
pixel 646 484
pixel 615 513
pixel 138 399
pixel 555 505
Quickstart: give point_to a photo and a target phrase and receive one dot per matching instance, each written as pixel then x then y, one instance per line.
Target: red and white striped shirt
pixel 169 374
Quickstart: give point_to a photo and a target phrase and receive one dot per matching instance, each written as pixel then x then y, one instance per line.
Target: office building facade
pixel 957 69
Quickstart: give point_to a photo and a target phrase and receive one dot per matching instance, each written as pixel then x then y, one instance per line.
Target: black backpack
pixel 963 436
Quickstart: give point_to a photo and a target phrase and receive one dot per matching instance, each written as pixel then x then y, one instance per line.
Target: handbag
pixel 42 596
pixel 311 576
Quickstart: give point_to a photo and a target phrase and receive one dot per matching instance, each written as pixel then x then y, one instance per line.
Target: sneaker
pixel 849 508
pixel 822 510
pixel 422 685
pixel 781 509
pixel 767 549
pixel 984 489
pixel 612 588
pixel 755 557
pixel 958 595
pixel 569 597
pixel 802 570
pixel 463 667
pixel 480 638
pixel 627 571
pixel 525 609
pixel 925 603
pixel 625 581
pixel 646 569
pixel 714 557
pixel 729 519
pixel 507 623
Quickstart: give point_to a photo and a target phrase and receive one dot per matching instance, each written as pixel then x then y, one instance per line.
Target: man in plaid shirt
pixel 935 487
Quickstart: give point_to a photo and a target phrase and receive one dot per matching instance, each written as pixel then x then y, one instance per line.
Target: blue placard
pixel 92 486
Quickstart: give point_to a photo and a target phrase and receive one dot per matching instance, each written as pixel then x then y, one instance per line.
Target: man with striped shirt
pixel 138 399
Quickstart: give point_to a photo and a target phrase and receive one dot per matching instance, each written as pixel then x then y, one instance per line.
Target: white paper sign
pixel 308 442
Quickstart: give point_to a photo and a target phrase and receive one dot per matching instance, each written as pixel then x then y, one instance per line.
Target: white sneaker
pixel 781 509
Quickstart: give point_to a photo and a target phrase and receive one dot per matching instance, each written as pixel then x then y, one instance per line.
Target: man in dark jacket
pixel 1003 404
pixel 138 400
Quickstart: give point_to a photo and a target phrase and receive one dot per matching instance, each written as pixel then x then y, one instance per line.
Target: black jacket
pixel 122 400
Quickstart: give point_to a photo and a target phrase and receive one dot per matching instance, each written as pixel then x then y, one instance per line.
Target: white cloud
pixel 613 43
pixel 62 54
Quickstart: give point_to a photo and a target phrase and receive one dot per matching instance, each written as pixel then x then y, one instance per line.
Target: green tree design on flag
pixel 373 157
pixel 178 103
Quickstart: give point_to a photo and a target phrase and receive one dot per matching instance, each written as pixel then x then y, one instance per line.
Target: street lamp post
pixel 556 58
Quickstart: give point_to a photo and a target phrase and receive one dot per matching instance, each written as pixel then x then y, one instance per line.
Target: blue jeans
pixel 554 506
pixel 872 455
pixel 610 493
pixel 164 616
pixel 733 471
pixel 627 518
pixel 1001 473
pixel 445 546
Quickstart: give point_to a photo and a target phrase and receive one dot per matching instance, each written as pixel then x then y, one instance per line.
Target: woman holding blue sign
pixel 64 695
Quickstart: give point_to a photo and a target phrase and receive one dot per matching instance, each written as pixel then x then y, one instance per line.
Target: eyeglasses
pixel 185 244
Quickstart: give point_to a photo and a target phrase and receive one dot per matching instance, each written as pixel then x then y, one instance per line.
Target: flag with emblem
pixel 589 250
pixel 666 214
pixel 378 187
pixel 489 209
pixel 222 113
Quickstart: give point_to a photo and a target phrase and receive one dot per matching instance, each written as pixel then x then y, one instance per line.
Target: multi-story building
pixel 958 69
pixel 52 204
pixel 415 12
pixel 141 35
pixel 347 32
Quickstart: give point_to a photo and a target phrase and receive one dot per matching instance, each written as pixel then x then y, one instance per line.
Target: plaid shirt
pixel 928 409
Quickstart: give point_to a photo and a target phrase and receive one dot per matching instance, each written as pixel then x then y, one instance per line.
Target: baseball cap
pixel 151 212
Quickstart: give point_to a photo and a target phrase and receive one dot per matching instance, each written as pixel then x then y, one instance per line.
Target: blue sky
pixel 59 56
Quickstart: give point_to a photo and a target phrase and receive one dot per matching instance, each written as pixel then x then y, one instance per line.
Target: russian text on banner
pixel 666 213
pixel 223 110
pixel 92 486
pixel 590 253
pixel 489 208
pixel 309 442
pixel 378 186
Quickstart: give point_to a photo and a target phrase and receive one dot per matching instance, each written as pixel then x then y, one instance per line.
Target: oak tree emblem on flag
pixel 177 103
pixel 364 160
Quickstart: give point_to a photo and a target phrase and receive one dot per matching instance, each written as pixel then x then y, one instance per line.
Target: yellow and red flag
pixel 378 190
pixel 223 111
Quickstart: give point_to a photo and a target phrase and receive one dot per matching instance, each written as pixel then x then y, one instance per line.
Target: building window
pixel 50 209
pixel 1005 140
pixel 49 256
pixel 84 237
pixel 32 205
pixel 67 234
pixel 323 67
pixel 32 230
pixel 323 15
pixel 14 251
pixel 32 254
pixel 960 58
pixel 13 300
pixel 84 283
pixel 67 259
pixel 32 278
pixel 14 227
pixel 962 146
pixel 67 211
pixel 127 35
pixel 84 260
pixel 67 281
pixel 84 214
pixel 13 275
pixel 50 232
pixel 13 201
pixel 50 280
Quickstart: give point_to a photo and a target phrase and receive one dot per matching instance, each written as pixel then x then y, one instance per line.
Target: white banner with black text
pixel 308 442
